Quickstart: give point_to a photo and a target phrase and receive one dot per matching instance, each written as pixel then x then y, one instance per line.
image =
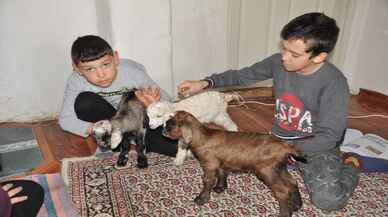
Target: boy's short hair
pixel 317 30
pixel 89 48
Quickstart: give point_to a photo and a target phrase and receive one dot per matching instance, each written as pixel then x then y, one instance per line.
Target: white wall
pixel 199 39
pixel 141 31
pixel 262 21
pixel 371 61
pixel 174 39
pixel 35 39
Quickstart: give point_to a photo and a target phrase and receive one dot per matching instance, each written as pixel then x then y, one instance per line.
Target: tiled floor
pixel 19 151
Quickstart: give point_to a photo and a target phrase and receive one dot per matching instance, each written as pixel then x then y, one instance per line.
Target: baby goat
pixel 126 126
pixel 221 151
pixel 207 107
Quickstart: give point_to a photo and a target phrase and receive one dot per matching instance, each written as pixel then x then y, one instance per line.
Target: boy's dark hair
pixel 88 48
pixel 317 30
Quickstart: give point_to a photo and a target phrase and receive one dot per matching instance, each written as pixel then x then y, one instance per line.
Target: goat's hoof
pixel 142 164
pixel 295 206
pixel 286 214
pixel 122 162
pixel 295 201
pixel 219 189
pixel 178 162
pixel 200 201
pixel 189 154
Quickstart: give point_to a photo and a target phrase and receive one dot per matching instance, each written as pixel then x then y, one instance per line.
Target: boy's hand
pixel 13 192
pixel 148 95
pixel 188 87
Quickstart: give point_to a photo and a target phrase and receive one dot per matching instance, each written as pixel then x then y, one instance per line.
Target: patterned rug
pixel 99 189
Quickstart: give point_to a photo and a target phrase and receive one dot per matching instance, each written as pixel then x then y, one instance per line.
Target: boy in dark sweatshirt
pixel 312 97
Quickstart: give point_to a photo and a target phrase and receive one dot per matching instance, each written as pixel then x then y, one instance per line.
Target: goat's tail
pixel 232 96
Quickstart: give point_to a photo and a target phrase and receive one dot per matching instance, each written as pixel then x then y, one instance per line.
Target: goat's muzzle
pixel 171 129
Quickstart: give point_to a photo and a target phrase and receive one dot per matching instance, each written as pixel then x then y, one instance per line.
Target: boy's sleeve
pixel 332 117
pixel 246 76
pixel 68 119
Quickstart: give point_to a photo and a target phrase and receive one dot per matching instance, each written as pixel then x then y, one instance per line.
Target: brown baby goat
pixel 220 151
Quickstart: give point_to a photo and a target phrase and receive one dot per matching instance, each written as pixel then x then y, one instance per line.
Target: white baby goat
pixel 207 107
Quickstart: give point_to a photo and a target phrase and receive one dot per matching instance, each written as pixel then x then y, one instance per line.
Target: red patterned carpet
pixel 99 189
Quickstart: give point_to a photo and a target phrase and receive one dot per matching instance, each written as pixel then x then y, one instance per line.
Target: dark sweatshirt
pixel 315 104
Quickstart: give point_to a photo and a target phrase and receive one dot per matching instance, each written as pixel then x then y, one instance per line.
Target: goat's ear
pixel 171 115
pixel 187 134
pixel 181 116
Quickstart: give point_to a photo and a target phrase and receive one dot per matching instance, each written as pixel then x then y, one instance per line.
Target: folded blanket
pixel 369 151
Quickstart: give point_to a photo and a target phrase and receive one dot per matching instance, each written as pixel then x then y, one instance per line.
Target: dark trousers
pixel 35 194
pixel 330 183
pixel 91 107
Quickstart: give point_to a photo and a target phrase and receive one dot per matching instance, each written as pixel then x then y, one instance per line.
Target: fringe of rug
pixel 65 166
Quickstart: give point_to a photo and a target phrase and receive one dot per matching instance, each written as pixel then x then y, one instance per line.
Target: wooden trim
pixel 44 146
pixel 46 167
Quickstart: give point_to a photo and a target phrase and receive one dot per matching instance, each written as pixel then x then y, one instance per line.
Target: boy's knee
pixel 91 107
pixel 85 101
pixel 331 191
